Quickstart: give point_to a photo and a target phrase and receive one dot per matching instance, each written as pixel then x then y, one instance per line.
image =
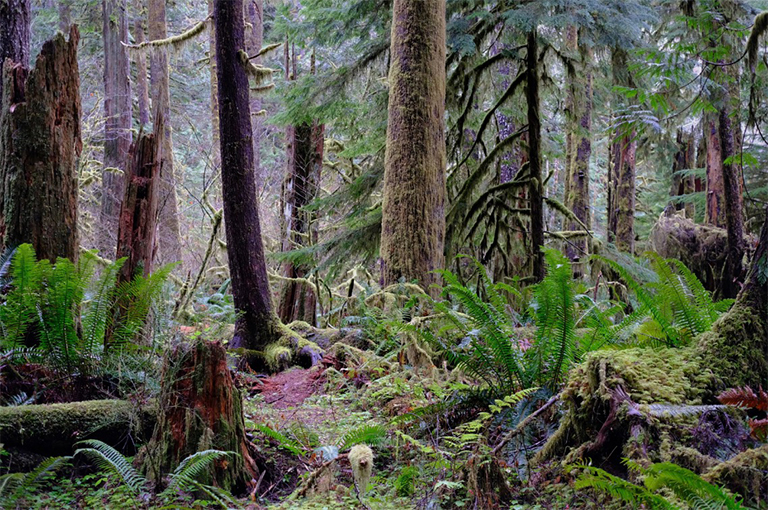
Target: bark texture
pixel 14 32
pixel 413 214
pixel 169 237
pixel 580 146
pixel 256 325
pixel 715 214
pixel 734 213
pixel 622 226
pixel 199 409
pixel 136 234
pixel 117 127
pixel 302 179
pixel 142 83
pixel 536 192
pixel 40 129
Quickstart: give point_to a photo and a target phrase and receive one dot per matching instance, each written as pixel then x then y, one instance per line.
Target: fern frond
pixel 282 440
pixel 189 469
pixel 745 397
pixel 110 459
pixel 367 434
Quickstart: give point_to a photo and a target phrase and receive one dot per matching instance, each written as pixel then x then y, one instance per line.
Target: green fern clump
pixel 70 318
pixel 672 306
pixel 665 486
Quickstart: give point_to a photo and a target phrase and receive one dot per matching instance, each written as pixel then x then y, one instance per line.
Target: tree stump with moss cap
pixel 199 409
pixel 642 404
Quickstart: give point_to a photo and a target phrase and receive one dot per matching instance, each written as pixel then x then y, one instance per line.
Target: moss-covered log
pixel 200 409
pixel 637 403
pixel 52 429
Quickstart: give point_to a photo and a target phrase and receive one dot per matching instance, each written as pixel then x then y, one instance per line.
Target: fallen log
pixel 45 430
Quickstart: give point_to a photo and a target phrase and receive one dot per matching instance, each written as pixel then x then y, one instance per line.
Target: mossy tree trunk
pixel 199 409
pixel 579 145
pixel 118 116
pixel 684 160
pixel 536 191
pixel 413 213
pixel 254 39
pixel 40 130
pixel 624 148
pixel 169 237
pixel 256 326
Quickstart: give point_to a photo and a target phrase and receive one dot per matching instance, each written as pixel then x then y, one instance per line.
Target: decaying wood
pixel 40 130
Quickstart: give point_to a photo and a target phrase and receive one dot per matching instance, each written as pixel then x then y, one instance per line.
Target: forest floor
pixel 313 417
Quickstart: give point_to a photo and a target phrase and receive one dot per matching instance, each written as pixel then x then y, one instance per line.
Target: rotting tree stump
pixel 39 146
pixel 199 409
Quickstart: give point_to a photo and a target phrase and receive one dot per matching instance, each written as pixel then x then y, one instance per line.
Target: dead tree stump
pixel 39 146
pixel 138 213
pixel 200 409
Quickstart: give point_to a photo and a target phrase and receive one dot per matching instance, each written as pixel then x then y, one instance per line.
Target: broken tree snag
pixel 200 409
pixel 39 146
pixel 138 213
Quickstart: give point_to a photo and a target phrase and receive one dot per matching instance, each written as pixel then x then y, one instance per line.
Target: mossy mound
pixel 746 474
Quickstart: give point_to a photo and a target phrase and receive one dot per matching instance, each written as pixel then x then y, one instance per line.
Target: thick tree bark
pixel 256 325
pixel 715 214
pixel 580 145
pixel 169 237
pixel 136 234
pixel 413 213
pixel 535 194
pixel 142 84
pixel 40 129
pixel 117 128
pixel 200 408
pixel 14 32
pixel 734 214
pixel 254 38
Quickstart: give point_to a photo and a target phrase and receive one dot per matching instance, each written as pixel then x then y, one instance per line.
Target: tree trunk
pixel 579 134
pixel 169 237
pixel 200 408
pixel 624 167
pixel 14 32
pixel 536 197
pixel 715 214
pixel 117 128
pixel 40 129
pixel 256 324
pixel 136 234
pixel 413 213
pixel 302 180
pixel 734 214
pixel 254 38
pixel 684 160
pixel 142 85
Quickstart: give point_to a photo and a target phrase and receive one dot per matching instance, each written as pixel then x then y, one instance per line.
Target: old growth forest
pixel 384 254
